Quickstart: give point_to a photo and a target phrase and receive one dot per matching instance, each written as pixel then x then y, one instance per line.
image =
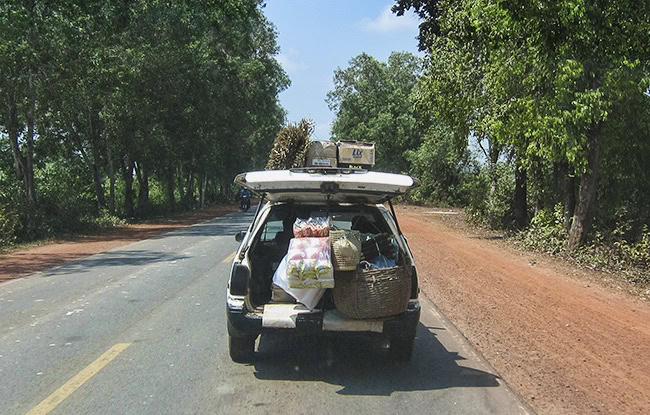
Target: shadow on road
pixel 114 258
pixel 361 366
pixel 223 226
pixel 22 263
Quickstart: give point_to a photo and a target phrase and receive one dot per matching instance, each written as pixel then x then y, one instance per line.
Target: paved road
pixel 141 330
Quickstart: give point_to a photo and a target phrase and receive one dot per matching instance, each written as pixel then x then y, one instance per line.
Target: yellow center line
pixel 79 379
pixel 230 257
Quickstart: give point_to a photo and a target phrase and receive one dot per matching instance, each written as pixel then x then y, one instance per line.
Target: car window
pixel 366 219
pixel 272 227
pixel 362 218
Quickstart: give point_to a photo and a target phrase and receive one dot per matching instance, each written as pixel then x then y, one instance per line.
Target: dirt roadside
pixel 565 344
pixel 23 262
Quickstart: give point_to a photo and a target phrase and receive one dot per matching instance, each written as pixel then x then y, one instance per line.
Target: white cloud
pixel 387 22
pixel 290 63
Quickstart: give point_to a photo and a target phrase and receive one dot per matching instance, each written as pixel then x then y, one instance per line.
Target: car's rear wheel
pixel 242 349
pixel 401 348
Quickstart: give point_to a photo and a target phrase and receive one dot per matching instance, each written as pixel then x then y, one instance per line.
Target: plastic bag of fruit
pixel 311 228
pixel 309 263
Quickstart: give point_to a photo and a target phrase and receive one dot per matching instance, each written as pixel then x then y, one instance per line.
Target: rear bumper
pixel 242 323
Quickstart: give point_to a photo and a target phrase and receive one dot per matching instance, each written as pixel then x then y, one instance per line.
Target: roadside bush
pixel 639 252
pixel 610 251
pixel 65 196
pixel 102 221
pixel 34 223
pixel 605 250
pixel 9 221
pixel 546 232
pixel 9 217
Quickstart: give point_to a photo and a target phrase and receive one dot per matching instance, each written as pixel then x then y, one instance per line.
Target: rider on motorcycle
pixel 245 196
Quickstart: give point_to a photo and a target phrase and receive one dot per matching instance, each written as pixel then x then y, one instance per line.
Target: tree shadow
pixel 78 257
pixel 488 237
pixel 361 365
pixel 223 226
pixel 114 258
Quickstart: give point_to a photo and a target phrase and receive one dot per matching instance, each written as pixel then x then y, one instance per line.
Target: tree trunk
pixel 94 135
pixel 569 200
pixel 203 182
pixel 94 171
pixel 190 190
pixel 128 186
pixel 99 188
pixel 28 165
pixel 143 190
pixel 521 195
pixel 181 187
pixel 582 216
pixel 494 153
pixel 30 186
pixel 111 176
pixel 539 180
pixel 559 175
pixel 171 199
pixel 11 125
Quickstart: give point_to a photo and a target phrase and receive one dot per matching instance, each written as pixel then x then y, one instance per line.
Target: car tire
pixel 242 349
pixel 401 348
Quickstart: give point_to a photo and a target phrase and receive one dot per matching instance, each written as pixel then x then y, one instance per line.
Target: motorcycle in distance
pixel 245 199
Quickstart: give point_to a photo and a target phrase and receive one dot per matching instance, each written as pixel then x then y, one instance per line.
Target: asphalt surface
pixel 142 330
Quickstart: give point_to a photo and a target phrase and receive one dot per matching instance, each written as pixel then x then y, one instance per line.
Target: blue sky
pixel 316 37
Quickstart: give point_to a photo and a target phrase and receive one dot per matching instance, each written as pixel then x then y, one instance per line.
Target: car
pixel 351 199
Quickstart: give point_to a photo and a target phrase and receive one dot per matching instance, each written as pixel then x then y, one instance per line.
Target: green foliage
pixel 103 220
pixel 547 232
pixel 9 220
pixel 110 106
pixel 561 85
pixel 444 174
pixel 372 103
pixel 606 250
pixel 491 197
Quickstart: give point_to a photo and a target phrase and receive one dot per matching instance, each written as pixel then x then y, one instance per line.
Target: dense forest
pixel 533 115
pixel 121 109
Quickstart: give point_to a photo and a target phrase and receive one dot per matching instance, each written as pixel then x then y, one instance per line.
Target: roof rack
pixel 328 170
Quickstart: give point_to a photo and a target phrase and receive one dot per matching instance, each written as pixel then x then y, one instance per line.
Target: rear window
pixel 366 219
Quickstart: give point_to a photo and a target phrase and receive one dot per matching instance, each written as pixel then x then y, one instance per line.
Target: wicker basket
pixel 346 249
pixel 372 293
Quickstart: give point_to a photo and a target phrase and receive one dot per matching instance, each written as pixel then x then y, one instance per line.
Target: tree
pixel 371 101
pixel 141 94
pixel 549 76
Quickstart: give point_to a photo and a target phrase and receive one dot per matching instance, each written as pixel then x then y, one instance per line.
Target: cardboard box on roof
pixel 356 153
pixel 321 154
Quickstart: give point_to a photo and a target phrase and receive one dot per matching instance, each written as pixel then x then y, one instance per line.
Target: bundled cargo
pixel 290 146
pixel 282 293
pixel 355 154
pixel 311 227
pixel 321 154
pixel 309 263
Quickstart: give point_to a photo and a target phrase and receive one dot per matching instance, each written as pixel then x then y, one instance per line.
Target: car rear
pixel 256 304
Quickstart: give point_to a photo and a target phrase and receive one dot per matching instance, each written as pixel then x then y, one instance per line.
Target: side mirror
pixel 239 236
pixel 239 280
